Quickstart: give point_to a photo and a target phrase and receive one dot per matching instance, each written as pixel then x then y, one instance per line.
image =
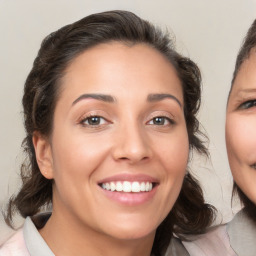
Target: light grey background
pixel 210 32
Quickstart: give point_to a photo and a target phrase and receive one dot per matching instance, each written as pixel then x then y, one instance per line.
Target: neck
pixel 66 236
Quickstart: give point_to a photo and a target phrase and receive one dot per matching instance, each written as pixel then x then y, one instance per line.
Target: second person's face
pixel 119 144
pixel 241 128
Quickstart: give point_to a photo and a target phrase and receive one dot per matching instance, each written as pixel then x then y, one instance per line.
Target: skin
pixel 240 128
pixel 127 141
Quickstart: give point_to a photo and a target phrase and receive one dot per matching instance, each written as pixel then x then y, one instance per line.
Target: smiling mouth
pixel 128 186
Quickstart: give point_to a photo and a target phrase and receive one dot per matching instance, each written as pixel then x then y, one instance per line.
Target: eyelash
pixel 88 121
pixel 248 104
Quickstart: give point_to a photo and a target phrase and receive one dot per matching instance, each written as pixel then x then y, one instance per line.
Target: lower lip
pixel 131 198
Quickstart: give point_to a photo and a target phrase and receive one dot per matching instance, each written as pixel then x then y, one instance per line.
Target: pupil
pixel 158 120
pixel 94 120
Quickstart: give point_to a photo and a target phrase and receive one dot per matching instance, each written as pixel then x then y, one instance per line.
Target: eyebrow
pixel 239 95
pixel 248 90
pixel 162 96
pixel 108 98
pixel 96 96
pixel 242 93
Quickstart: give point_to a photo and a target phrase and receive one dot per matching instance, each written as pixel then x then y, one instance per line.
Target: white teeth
pixel 143 187
pixel 112 186
pixel 135 186
pixel 128 186
pixel 119 186
pixel 147 186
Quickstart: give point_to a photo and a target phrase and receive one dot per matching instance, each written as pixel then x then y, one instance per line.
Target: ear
pixel 43 152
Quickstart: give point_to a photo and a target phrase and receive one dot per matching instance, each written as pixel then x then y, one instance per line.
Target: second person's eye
pixel 248 104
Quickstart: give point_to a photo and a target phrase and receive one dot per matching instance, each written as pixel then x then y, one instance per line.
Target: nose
pixel 132 144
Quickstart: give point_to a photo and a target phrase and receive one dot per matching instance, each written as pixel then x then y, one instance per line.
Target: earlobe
pixel 43 155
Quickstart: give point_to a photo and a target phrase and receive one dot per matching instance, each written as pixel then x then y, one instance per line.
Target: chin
pixel 129 231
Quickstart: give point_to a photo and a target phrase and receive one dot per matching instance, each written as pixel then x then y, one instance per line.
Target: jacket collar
pixel 242 234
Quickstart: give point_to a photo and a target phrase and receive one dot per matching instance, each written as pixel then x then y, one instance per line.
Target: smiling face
pixel 119 146
pixel 240 127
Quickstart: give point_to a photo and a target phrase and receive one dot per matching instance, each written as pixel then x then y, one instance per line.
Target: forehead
pixel 107 54
pixel 246 76
pixel 115 66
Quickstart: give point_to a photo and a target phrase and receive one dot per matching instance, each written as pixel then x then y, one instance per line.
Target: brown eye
pixel 159 120
pixel 93 121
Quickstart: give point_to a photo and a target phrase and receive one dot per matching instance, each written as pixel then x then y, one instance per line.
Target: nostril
pixel 123 158
pixel 133 159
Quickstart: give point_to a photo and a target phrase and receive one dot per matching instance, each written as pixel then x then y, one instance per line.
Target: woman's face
pixel 119 147
pixel 241 128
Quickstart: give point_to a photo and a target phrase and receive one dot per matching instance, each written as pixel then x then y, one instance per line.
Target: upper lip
pixel 129 177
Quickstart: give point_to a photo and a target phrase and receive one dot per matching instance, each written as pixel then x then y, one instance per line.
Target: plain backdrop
pixel 209 32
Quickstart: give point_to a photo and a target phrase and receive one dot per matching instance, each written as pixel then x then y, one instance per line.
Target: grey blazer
pixel 242 234
pixel 236 238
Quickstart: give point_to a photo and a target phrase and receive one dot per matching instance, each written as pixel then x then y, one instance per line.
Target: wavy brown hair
pixel 249 44
pixel 190 214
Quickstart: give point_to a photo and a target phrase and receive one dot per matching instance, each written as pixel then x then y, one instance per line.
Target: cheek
pixel 171 155
pixel 241 148
pixel 240 139
pixel 174 153
pixel 75 158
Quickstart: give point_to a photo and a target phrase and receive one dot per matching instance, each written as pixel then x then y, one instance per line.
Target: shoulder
pixel 242 234
pixel 14 246
pixel 214 242
pixel 26 241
